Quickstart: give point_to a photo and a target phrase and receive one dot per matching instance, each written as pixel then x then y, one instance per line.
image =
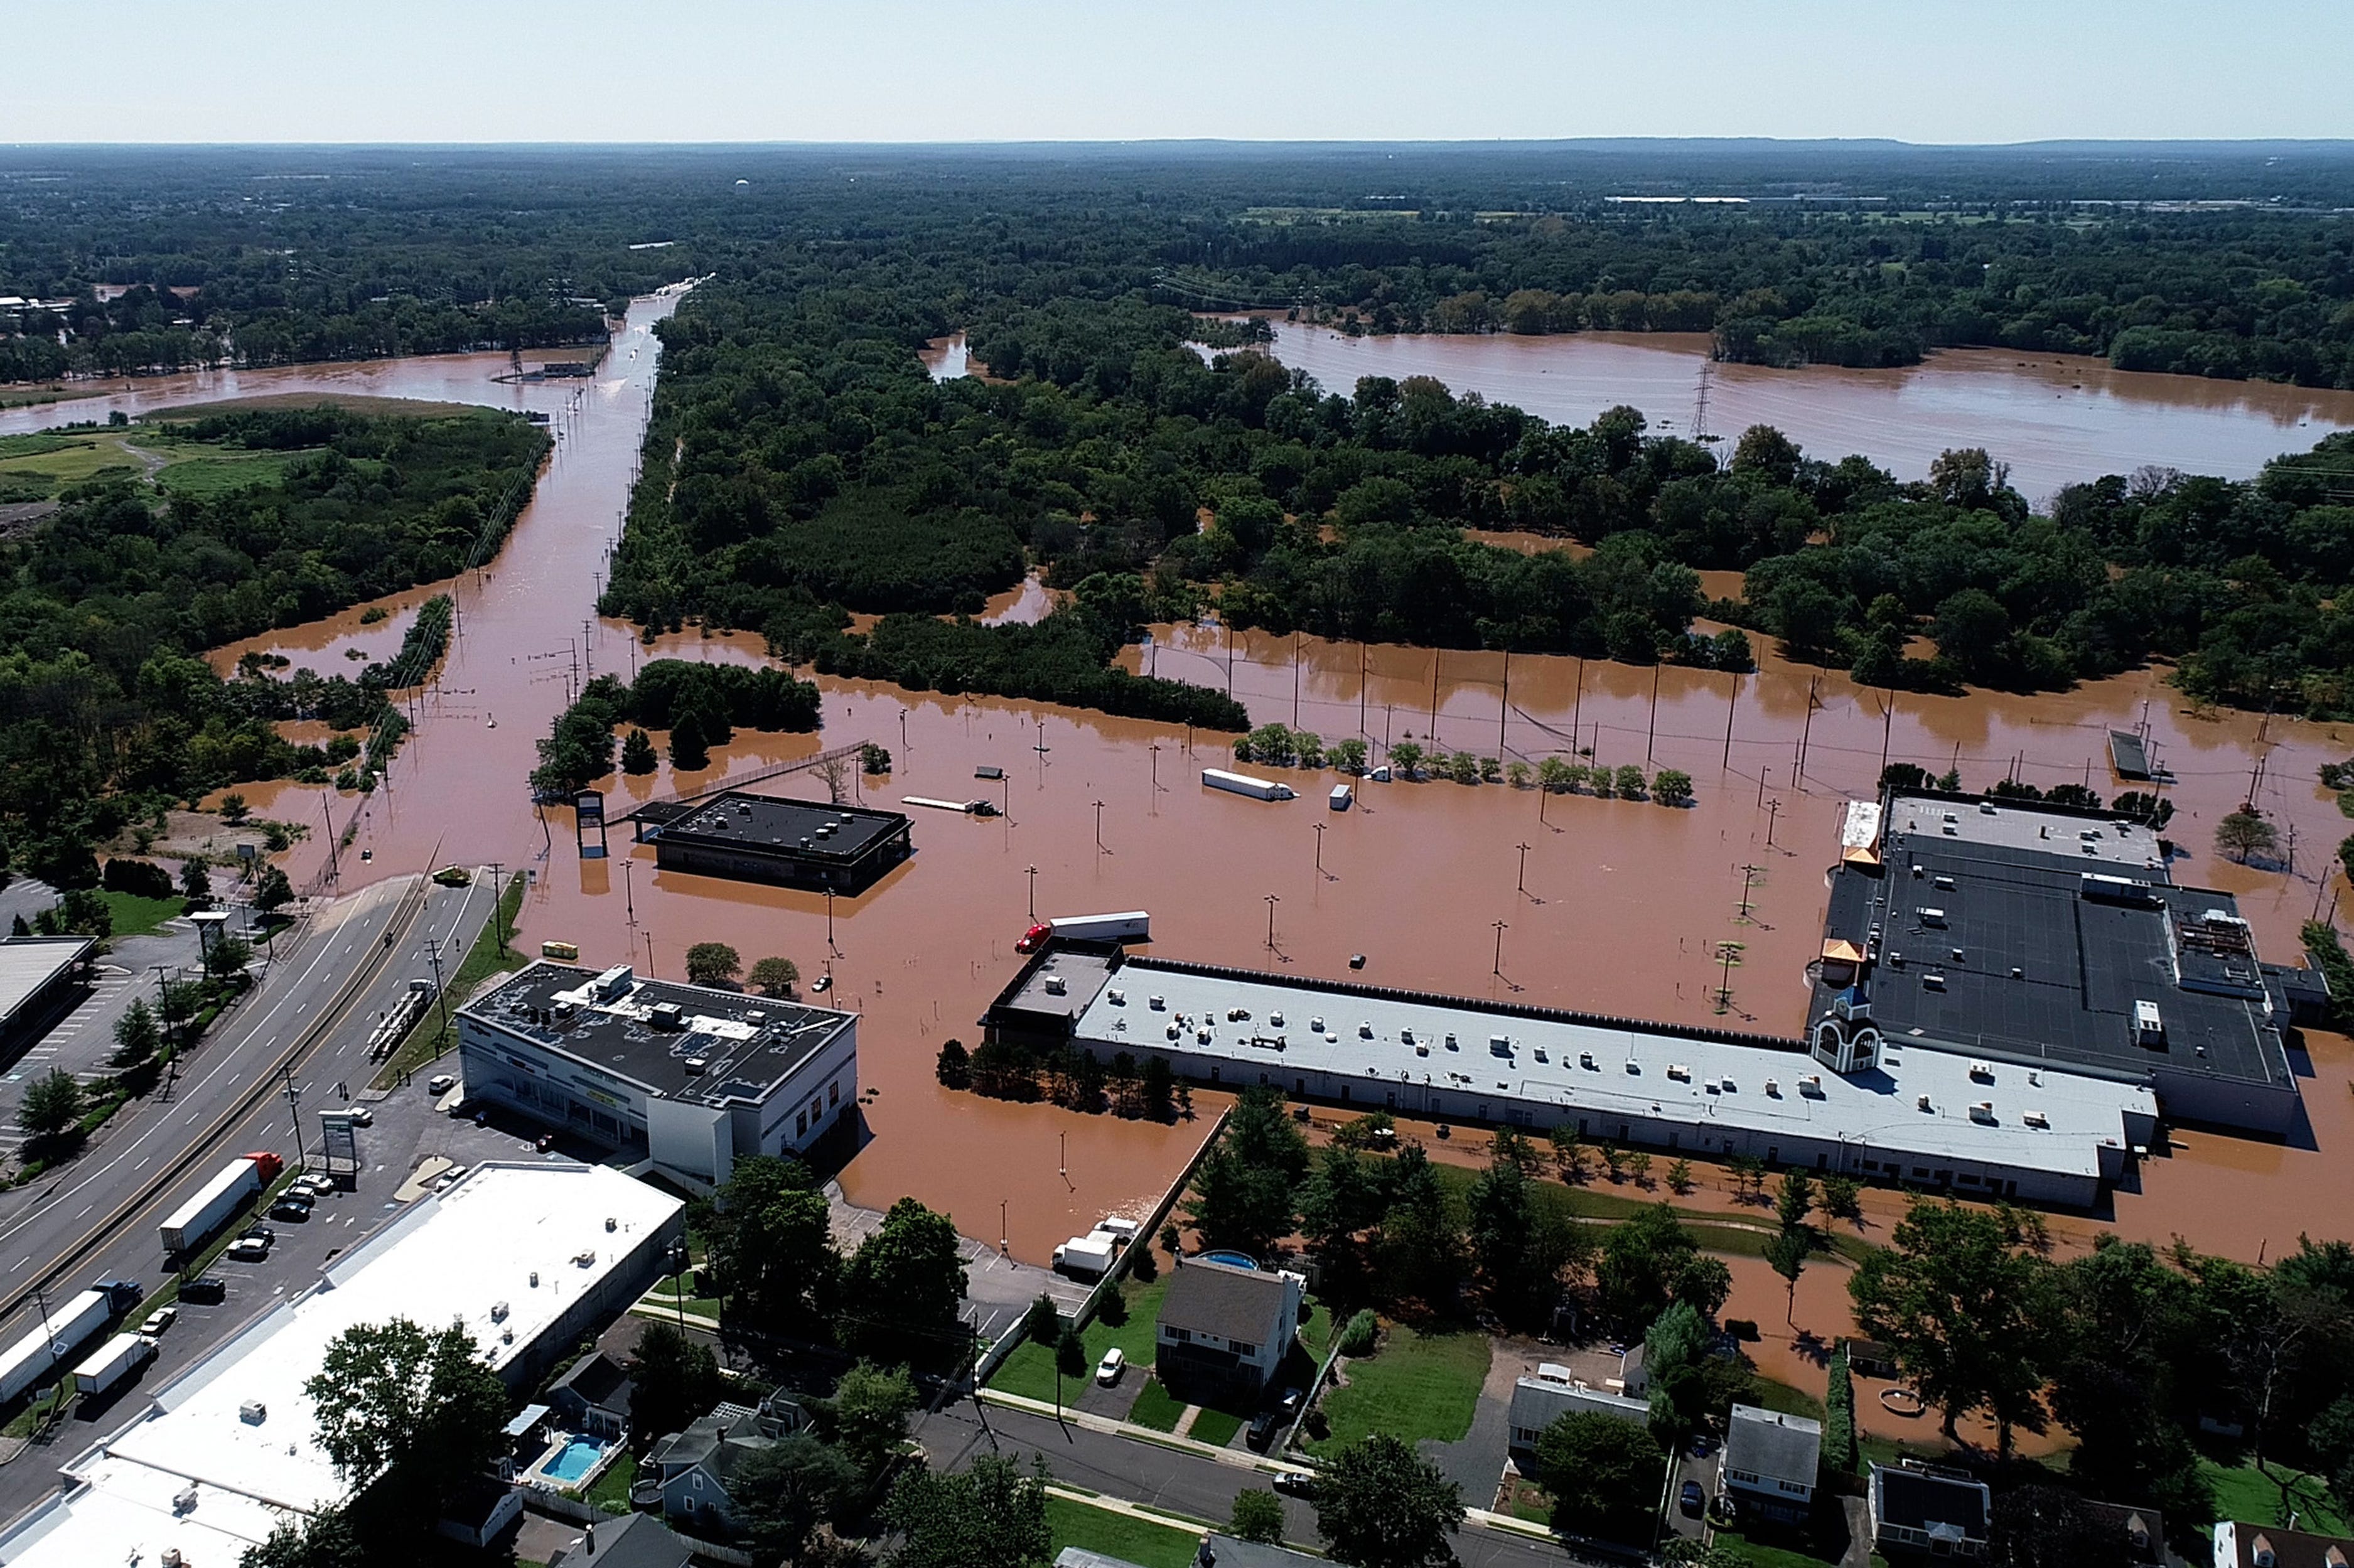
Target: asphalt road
pixel 44 1224
pixel 1142 1472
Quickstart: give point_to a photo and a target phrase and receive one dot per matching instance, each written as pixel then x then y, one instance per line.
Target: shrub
pixel 143 879
pixel 1358 1334
pixel 1672 787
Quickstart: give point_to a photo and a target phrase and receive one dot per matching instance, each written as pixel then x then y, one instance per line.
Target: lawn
pixel 1156 1408
pixel 1789 1400
pixel 1415 1386
pixel 2245 1492
pixel 1130 1540
pixel 137 916
pixel 1215 1427
pixel 1029 1372
pixel 611 1491
pixel 202 477
pixel 1767 1556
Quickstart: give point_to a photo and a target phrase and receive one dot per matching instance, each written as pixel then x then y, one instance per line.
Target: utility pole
pixel 433 956
pixel 829 924
pixel 1730 704
pixel 1320 848
pixel 1651 735
pixel 1295 680
pixel 628 894
pixel 294 1109
pixel 1504 704
pixel 1524 848
pixel 1435 656
pixel 1773 815
pixel 1099 844
pixel 334 873
pixel 498 912
pixel 650 955
pixel 1155 749
pixel 1032 873
pixel 1501 928
pixel 1271 902
pixel 1748 880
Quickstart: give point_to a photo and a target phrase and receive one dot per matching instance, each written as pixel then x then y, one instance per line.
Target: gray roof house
pixel 1928 1512
pixel 1538 1401
pixel 1770 1461
pixel 1224 1331
pixel 692 1468
pixel 632 1540
pixel 2239 1545
pixel 593 1397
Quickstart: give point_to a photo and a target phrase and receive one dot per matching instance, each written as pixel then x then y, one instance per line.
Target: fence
pixel 1121 1267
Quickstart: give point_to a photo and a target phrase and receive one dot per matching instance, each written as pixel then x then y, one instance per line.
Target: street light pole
pixel 1271 902
pixel 1524 848
pixel 1032 873
pixel 1320 848
pixel 1099 844
pixel 829 924
pixel 1501 928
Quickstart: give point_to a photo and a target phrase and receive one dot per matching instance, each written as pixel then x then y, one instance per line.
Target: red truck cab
pixel 267 1164
pixel 1034 936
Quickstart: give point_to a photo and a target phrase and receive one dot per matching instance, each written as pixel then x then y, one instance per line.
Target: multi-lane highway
pixel 97 1215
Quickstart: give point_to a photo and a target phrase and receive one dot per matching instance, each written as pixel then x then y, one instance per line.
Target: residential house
pixel 1917 1512
pixel 2243 1545
pixel 692 1469
pixel 632 1540
pixel 1538 1402
pixel 2144 1529
pixel 1770 1462
pixel 593 1398
pixel 1225 1330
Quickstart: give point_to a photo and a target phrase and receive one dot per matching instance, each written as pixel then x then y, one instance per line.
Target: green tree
pixel 1785 1254
pixel 775 977
pixel 52 1103
pixel 1043 1323
pixel 1381 1505
pixel 1602 1474
pixel 1244 1192
pixel 673 1379
pixel 1842 1197
pixel 1680 1177
pixel 1671 786
pixel 1650 1260
pixel 227 956
pixel 990 1515
pixel 783 1492
pixel 197 881
pixel 900 1290
pixel 1521 1247
pixel 1958 1305
pixel 1070 1352
pixel 1257 1516
pixel 1795 1201
pixel 326 1540
pixel 689 752
pixel 1348 756
pixel 271 890
pixel 1405 757
pixel 136 1037
pixel 712 963
pixel 638 756
pixel 2244 833
pixel 953 1067
pixel 769 1247
pixel 411 1413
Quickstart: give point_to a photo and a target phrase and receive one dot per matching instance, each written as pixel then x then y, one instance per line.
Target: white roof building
pixel 526 1258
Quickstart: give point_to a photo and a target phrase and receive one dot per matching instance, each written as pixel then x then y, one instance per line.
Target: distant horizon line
pixel 2243 143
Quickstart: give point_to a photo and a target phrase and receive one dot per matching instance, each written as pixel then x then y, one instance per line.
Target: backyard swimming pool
pixel 578 1455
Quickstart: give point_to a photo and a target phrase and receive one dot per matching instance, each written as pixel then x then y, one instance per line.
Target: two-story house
pixel 1770 1462
pixel 593 1397
pixel 1223 1330
pixel 1925 1512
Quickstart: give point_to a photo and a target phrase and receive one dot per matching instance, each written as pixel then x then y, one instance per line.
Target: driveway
pixel 1476 1461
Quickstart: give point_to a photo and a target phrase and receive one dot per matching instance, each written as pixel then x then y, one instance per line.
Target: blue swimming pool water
pixel 572 1464
pixel 1239 1259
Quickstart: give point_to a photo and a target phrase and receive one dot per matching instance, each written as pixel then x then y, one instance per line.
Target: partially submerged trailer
pixel 1243 784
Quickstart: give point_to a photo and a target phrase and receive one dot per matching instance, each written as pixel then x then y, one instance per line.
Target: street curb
pixel 1135 1433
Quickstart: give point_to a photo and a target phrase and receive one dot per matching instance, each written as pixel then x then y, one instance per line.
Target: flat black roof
pixel 768 824
pixel 2056 949
pixel 746 1046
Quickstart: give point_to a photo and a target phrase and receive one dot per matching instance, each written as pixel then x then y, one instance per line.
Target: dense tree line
pixel 107 715
pixel 700 703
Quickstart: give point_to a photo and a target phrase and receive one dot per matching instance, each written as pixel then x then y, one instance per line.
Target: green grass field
pixel 1156 1408
pixel 1767 1556
pixel 1789 1400
pixel 137 916
pixel 1215 1427
pixel 1029 1372
pixel 1131 1540
pixel 1414 1386
pixel 200 478
pixel 611 1491
pixel 2242 1492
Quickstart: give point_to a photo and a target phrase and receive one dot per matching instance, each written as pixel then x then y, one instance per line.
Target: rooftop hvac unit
pixel 253 1413
pixel 1116 997
pixel 2037 1119
pixel 1275 1020
pixel 498 1311
pixel 1932 980
pixel 1364 1032
pixel 1500 1045
pixel 1586 1060
pixel 1922 1103
pixel 1983 1112
pixel 1982 1072
pixel 1055 986
pixel 697 1067
pixel 1773 1087
pixel 184 1501
pixel 1315 1026
pixel 1812 1084
pixel 1679 1071
pixel 2149 1028
pixel 1930 917
pixel 1158 1004
pixel 1407 1037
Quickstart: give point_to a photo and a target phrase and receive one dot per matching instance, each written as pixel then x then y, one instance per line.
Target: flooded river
pixel 1608 905
pixel 2055 418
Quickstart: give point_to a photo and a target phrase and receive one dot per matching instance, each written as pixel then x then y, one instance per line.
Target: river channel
pixel 1607 905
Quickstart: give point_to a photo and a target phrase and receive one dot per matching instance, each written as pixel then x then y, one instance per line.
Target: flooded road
pixel 2055 418
pixel 1605 905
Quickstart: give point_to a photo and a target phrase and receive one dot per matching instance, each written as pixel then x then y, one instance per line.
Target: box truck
pixel 1129 926
pixel 111 1363
pixel 1243 784
pixel 36 1357
pixel 1088 1256
pixel 231 1188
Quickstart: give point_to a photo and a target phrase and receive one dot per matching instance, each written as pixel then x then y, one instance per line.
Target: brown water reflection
pixel 2055 418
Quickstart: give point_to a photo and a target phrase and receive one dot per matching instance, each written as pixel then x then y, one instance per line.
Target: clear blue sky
pixel 925 70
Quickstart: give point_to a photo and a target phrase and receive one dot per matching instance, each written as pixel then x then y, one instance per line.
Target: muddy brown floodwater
pixel 2055 418
pixel 1608 905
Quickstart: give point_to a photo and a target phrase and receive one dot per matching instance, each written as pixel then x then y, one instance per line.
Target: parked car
pixel 360 1116
pixel 1108 1370
pixel 204 1290
pixel 1702 1446
pixel 247 1249
pixel 1294 1483
pixel 1692 1499
pixel 440 1083
pixel 160 1319
pixel 309 1188
pixel 450 1177
pixel 1262 1430
pixel 1289 1403
pixel 293 1210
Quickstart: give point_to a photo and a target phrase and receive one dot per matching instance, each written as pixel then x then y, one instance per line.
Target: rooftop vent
pixel 697 1067
pixel 1922 1103
pixel 2036 1120
pixel 498 1311
pixel 1983 1112
pixel 253 1413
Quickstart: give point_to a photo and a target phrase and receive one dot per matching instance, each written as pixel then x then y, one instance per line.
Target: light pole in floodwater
pixel 1524 848
pixel 1099 844
pixel 1271 902
pixel 1156 776
pixel 1501 928
pixel 829 924
pixel 628 894
pixel 1320 849
pixel 1032 873
pixel 1773 815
